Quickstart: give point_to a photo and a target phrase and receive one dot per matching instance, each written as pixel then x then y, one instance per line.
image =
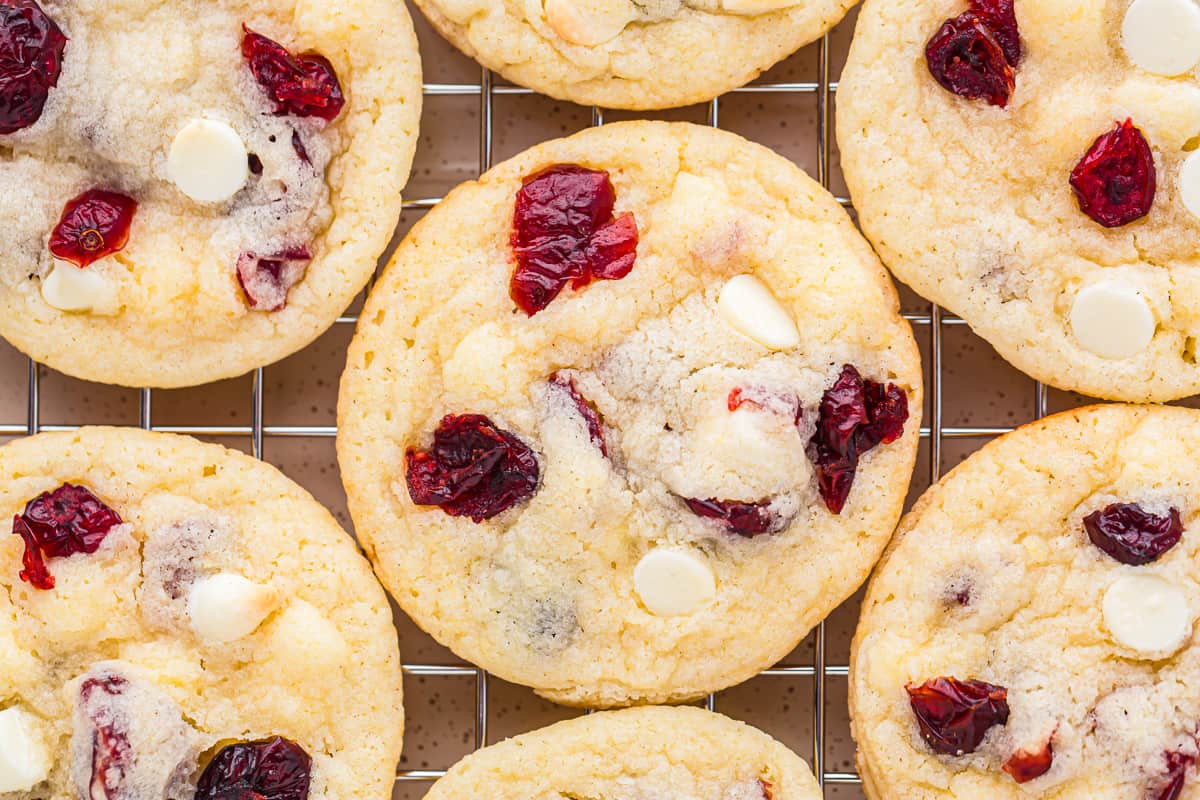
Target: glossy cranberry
pixel 760 399
pixel 1025 765
pixel 1178 765
pixel 1115 181
pixel 1001 18
pixel 271 769
pixel 591 416
pixel 302 86
pixel 744 519
pixel 968 58
pixel 58 524
pixel 31 53
pixel 111 752
pixel 1131 534
pixel 955 715
pixel 266 280
pixel 93 225
pixel 474 469
pixel 564 232
pixel 855 416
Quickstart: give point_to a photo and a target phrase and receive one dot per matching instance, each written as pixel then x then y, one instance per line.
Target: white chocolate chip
pixel 673 582
pixel 208 161
pixel 1162 36
pixel 589 23
pixel 71 288
pixel 24 758
pixel 1147 614
pixel 226 607
pixel 1189 183
pixel 1112 320
pixel 747 306
pixel 756 6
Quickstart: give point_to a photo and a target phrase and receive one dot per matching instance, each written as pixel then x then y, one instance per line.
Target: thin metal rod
pixel 145 407
pixel 256 413
pixel 33 409
pixel 935 395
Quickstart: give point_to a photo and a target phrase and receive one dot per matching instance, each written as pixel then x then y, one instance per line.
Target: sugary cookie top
pixel 191 190
pixel 636 54
pixel 619 401
pixel 1031 631
pixel 635 754
pixel 1032 166
pixel 175 615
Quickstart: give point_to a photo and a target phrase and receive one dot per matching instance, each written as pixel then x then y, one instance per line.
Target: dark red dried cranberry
pixel 1025 765
pixel 744 519
pixel 94 225
pixel 271 769
pixel 855 416
pixel 303 86
pixel 58 524
pixel 967 57
pixel 1178 765
pixel 1001 18
pixel 1131 534
pixel 955 715
pixel 1115 181
pixel 564 232
pixel 111 752
pixel 31 53
pixel 591 417
pixel 266 280
pixel 474 469
pixel 766 400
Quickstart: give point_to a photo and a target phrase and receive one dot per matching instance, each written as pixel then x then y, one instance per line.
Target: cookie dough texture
pixel 1004 531
pixel 323 669
pixel 971 205
pixel 672 52
pixel 544 594
pixel 135 73
pixel 631 754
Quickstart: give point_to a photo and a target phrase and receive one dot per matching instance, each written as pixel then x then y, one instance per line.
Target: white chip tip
pixel 1162 36
pixel 1112 320
pixel 673 582
pixel 77 290
pixel 747 306
pixel 589 23
pixel 24 759
pixel 226 607
pixel 1148 615
pixel 208 161
pixel 1189 183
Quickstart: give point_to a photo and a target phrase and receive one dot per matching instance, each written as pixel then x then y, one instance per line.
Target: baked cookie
pixel 1032 169
pixel 635 54
pixel 179 620
pixel 608 396
pixel 633 754
pixel 192 190
pixel 1030 632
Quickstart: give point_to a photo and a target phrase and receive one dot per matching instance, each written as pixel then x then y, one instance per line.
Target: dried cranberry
pixel 564 232
pixel 1025 765
pixel 591 417
pixel 266 280
pixel 955 715
pixel 744 519
pixel 1177 768
pixel 1115 181
pixel 271 769
pixel 1131 534
pixel 94 225
pixel 766 400
pixel 967 57
pixel 58 524
pixel 301 150
pixel 111 752
pixel 767 790
pixel 474 469
pixel 856 415
pixel 1001 18
pixel 303 86
pixel 31 53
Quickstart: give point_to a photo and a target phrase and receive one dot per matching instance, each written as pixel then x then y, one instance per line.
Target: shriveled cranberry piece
pixel 744 519
pixel 58 524
pixel 564 232
pixel 1115 181
pixel 271 769
pixel 591 416
pixel 955 715
pixel 1001 18
pixel 111 753
pixel 766 400
pixel 474 469
pixel 31 53
pixel 856 415
pixel 303 86
pixel 1131 534
pixel 266 280
pixel 1178 765
pixel 968 58
pixel 1025 765
pixel 93 225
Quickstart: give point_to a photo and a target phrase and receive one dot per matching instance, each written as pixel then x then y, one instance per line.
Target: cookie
pixel 1030 632
pixel 633 54
pixel 193 190
pixel 1045 187
pixel 624 398
pixel 635 753
pixel 180 620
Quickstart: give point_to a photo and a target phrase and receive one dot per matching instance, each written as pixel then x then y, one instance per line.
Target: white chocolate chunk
pixel 673 582
pixel 756 6
pixel 1189 183
pixel 1147 614
pixel 589 23
pixel 208 161
pixel 1112 320
pixel 1162 36
pixel 227 607
pixel 747 306
pixel 70 288
pixel 24 759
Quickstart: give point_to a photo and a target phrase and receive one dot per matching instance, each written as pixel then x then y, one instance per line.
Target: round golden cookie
pixel 634 753
pixel 602 490
pixel 262 203
pixel 633 54
pixel 221 617
pixel 1030 632
pixel 1050 194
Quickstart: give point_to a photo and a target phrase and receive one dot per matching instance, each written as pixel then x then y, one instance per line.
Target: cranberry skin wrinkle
pixel 954 716
pixel 58 524
pixel 93 225
pixel 31 56
pixel 271 769
pixel 1132 535
pixel 1115 181
pixel 967 58
pixel 301 86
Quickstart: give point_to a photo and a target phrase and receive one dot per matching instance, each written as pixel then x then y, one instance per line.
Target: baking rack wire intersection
pixel 934 433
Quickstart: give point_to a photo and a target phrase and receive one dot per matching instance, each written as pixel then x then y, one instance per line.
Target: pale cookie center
pixel 589 23
pixel 1147 614
pixel 749 307
pixel 1162 36
pixel 24 759
pixel 208 161
pixel 1112 320
pixel 226 607
pixel 672 582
